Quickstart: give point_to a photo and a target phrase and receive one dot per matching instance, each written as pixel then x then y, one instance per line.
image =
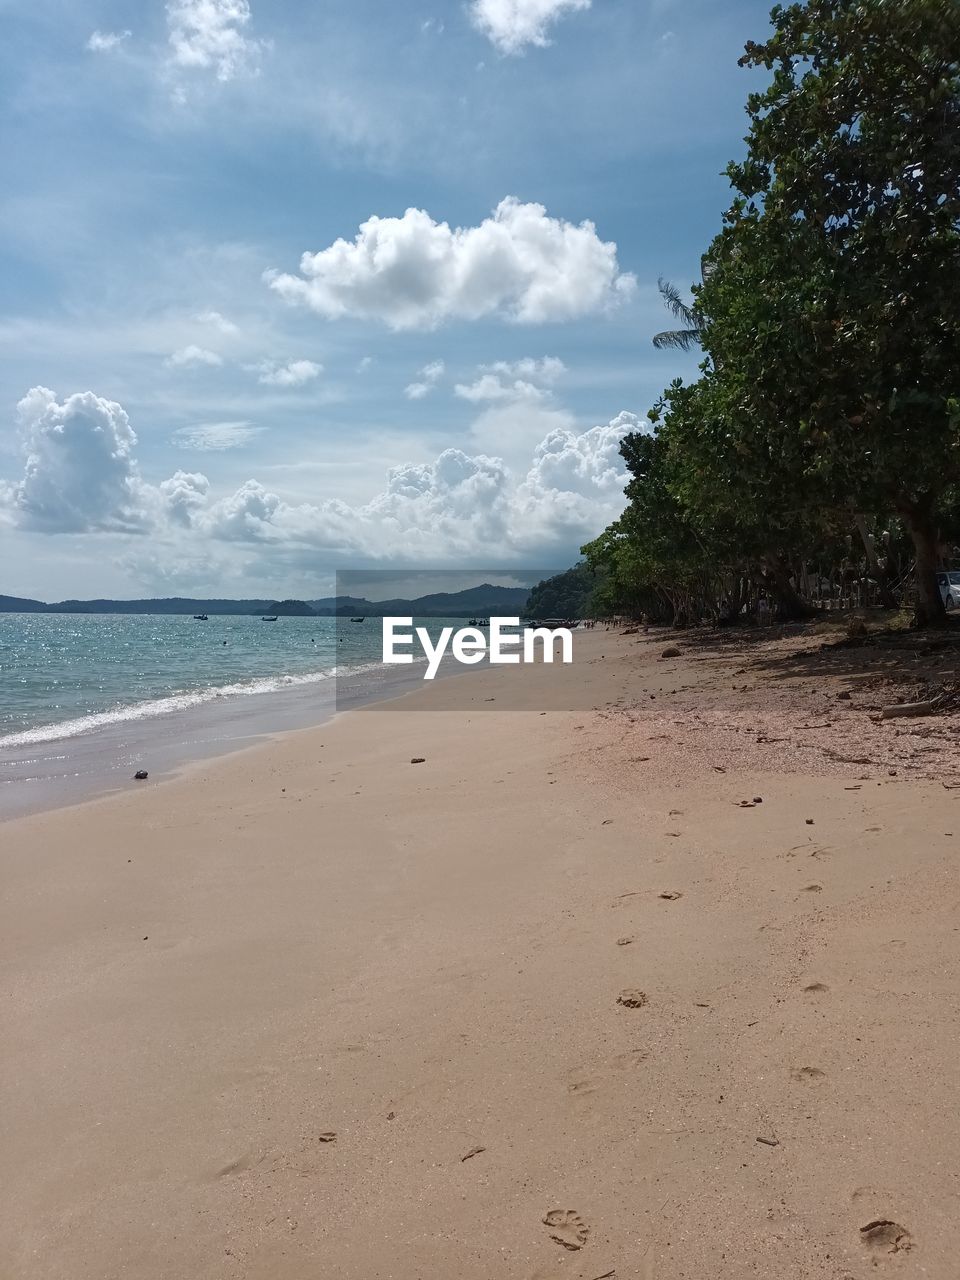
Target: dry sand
pixel 551 1004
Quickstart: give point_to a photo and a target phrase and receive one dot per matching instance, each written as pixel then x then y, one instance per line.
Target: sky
pixel 293 286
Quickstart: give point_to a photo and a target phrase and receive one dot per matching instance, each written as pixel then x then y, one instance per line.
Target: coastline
pixel 212 974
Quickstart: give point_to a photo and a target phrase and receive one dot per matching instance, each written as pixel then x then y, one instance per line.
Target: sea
pixel 87 699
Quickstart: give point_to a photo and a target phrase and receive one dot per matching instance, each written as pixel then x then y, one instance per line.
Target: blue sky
pixel 187 407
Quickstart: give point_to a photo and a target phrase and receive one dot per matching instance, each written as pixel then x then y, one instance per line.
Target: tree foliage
pixel 829 312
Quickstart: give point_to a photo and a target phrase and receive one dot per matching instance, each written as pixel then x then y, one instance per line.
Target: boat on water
pixel 200 617
pixel 269 617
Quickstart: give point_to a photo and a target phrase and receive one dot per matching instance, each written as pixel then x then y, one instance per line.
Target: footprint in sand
pixel 808 1075
pixel 567 1228
pixel 632 999
pixel 589 1079
pixel 670 895
pixel 884 1236
pixel 815 988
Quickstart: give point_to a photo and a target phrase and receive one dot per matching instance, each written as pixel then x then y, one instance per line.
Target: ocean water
pixel 88 699
pixel 62 675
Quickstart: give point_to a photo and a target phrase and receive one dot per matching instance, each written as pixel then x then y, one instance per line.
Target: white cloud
pixel 211 437
pixel 293 374
pixel 513 24
pixel 454 508
pixel 107 41
pixel 430 375
pixel 414 273
pixel 364 363
pixel 210 34
pixel 193 355
pixel 518 380
pixel 219 322
pixel 183 494
pixel 79 473
pixel 81 476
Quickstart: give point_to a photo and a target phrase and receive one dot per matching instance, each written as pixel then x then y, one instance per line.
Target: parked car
pixel 949 584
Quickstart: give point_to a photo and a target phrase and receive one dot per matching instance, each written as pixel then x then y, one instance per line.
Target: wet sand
pixel 622 991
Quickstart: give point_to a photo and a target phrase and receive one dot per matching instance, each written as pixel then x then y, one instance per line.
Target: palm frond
pixel 679 339
pixel 675 303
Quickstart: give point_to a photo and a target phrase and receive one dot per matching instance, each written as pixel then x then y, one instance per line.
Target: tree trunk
pixel 887 598
pixel 790 606
pixel 929 610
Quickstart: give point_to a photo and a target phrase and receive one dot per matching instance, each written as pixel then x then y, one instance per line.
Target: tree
pixel 832 313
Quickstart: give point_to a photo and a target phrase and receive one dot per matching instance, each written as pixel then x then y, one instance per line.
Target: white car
pixel 949 584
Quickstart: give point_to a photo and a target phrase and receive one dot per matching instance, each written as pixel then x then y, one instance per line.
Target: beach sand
pixel 554 1004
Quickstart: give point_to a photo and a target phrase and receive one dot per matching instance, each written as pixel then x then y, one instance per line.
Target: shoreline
pixel 319 1010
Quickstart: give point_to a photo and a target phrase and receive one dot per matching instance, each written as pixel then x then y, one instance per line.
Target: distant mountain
pixel 174 605
pixel 485 599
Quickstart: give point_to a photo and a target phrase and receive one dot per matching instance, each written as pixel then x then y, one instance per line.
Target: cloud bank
pixel 81 476
pixel 415 273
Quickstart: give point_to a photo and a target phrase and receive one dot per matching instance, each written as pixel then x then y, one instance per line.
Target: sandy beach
pixel 663 988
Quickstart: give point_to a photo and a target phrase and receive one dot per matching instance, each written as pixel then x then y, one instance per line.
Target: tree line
pixel 824 425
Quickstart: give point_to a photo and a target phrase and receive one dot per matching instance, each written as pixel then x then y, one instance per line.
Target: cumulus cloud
pixel 213 437
pixel 454 508
pixel 193 355
pixel 293 374
pixel 211 35
pixel 414 273
pixel 511 25
pixel 517 380
pixel 430 375
pixel 80 473
pixel 107 41
pixel 183 494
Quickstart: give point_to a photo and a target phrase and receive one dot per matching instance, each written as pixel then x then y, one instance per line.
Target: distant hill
pixel 485 599
pixel 173 605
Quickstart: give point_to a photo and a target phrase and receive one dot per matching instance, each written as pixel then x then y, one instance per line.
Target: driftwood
pixel 927 708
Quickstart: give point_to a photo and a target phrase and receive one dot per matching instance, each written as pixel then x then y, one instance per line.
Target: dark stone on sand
pixel 418 759
pixel 140 775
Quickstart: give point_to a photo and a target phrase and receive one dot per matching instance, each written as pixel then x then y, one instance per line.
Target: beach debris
pixel 671 652
pixel 326 1137
pixel 769 1142
pixel 809 821
pixel 632 999
pixel 567 1228
pixel 887 1236
pixel 670 895
pixel 624 942
pixel 474 1151
pixel 418 759
pixel 140 775
pixel 391 1115
pixel 758 799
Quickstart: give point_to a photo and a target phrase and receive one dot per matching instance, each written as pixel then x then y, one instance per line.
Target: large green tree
pixel 831 313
